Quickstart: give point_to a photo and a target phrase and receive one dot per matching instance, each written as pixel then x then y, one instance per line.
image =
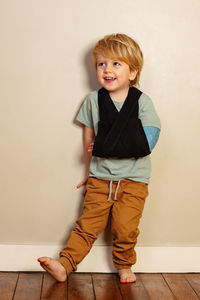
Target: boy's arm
pixel 88 146
pixel 150 120
pixel 88 143
pixel 152 134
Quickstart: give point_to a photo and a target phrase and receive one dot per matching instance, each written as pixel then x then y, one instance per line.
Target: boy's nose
pixel 108 68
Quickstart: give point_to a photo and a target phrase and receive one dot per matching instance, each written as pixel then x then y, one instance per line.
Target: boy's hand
pixel 83 182
pixel 90 148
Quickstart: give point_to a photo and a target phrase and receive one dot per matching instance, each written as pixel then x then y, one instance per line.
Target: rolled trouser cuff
pixel 66 264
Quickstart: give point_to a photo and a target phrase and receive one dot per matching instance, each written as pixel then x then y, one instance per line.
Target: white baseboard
pixel 149 259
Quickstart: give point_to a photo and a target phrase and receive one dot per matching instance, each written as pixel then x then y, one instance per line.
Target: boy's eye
pixel 116 63
pixel 101 64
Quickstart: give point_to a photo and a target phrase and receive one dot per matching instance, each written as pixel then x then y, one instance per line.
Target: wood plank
pixel 29 286
pixel 52 289
pixel 80 287
pixel 8 283
pixel 180 287
pixel 134 291
pixel 194 280
pixel 106 287
pixel 156 287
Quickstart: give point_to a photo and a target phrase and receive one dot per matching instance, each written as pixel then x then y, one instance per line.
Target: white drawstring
pixel 115 196
pixel 110 190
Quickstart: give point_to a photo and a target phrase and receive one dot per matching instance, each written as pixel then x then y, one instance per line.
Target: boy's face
pixel 114 75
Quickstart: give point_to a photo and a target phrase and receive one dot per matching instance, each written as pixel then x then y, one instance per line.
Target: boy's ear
pixel 133 74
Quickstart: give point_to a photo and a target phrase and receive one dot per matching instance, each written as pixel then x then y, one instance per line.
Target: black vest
pixel 120 134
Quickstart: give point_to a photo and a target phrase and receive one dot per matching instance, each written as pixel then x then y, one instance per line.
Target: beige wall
pixel 46 72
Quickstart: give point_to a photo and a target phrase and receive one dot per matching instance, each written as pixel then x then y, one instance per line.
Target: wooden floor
pixel 92 286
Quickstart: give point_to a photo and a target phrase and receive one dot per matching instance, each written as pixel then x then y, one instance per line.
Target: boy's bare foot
pixel 54 268
pixel 126 276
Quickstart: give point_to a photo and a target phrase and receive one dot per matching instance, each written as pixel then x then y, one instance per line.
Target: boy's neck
pixel 119 96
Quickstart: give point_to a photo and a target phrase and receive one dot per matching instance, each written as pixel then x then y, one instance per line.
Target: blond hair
pixel 121 47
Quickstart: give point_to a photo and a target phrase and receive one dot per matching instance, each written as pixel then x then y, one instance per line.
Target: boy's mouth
pixel 109 79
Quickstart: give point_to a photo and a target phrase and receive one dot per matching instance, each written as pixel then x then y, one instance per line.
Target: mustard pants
pixel 125 200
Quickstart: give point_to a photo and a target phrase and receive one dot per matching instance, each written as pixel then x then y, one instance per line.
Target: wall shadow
pixel 91 77
pixel 92 84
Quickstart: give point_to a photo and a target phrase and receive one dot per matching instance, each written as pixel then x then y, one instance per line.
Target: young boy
pixel 121 128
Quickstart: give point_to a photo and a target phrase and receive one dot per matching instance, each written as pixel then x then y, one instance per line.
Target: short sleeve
pixel 85 113
pixel 147 112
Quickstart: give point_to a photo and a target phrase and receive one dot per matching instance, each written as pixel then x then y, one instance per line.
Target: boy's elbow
pixel 152 134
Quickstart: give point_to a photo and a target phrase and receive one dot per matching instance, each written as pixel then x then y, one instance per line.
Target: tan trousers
pixel 126 212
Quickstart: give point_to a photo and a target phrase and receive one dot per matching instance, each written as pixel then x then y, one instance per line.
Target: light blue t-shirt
pixel 119 168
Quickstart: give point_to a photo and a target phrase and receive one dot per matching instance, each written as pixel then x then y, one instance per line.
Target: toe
pixel 44 260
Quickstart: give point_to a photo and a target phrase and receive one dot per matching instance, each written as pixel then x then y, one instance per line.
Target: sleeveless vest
pixel 120 134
